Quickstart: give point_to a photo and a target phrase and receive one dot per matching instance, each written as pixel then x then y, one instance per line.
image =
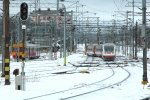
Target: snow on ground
pixel 40 84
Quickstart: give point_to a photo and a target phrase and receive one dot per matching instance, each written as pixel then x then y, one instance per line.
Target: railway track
pixel 36 76
pixel 41 72
pixel 138 64
pixel 51 72
pixel 90 87
pixel 102 86
pixel 72 89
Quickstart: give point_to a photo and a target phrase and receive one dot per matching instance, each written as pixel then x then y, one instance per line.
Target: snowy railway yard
pixel 83 78
pixel 75 50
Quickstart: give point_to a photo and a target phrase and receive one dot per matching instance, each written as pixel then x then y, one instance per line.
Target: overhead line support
pixel 144 38
pixel 7 54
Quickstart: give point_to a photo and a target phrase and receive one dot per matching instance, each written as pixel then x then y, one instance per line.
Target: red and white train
pixel 107 51
pixel 94 50
pixel 90 50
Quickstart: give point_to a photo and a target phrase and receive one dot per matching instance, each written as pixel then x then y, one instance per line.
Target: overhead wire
pixel 116 5
pixel 122 4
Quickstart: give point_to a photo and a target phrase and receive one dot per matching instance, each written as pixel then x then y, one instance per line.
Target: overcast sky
pixel 105 9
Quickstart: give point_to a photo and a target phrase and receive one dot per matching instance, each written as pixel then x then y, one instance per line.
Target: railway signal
pixel 23 16
pixel 24 11
pixel 61 12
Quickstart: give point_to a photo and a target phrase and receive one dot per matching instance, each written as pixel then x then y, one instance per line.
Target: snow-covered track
pixel 84 89
pixel 62 92
pixel 42 73
pixel 88 62
pixel 100 88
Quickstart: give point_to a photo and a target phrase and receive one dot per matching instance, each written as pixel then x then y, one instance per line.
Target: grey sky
pixel 105 9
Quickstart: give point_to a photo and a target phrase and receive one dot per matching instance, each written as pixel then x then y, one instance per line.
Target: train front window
pixel 109 48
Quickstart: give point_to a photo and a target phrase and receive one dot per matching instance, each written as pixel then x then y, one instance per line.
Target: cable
pixel 116 5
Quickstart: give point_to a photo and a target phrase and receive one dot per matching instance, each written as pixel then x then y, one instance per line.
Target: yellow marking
pixel 15 46
pixel 23 55
pixel 7 69
pixel 144 82
pixel 64 60
pixel 21 45
pixel 6 76
pixel 6 60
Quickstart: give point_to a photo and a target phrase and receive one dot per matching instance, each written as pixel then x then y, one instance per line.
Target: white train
pixel 109 51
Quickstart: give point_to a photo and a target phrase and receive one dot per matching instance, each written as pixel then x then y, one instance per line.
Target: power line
pixel 116 5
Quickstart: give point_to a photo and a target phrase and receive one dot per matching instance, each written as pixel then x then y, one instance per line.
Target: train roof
pixel 93 44
pixel 108 44
pixel 35 45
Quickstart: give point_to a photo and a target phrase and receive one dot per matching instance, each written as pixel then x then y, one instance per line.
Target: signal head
pixel 24 11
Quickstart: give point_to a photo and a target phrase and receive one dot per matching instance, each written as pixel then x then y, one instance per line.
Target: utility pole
pixel 76 18
pixel 127 31
pixel 7 55
pixel 136 28
pixel 64 34
pixel 122 30
pixel 64 39
pixel 144 38
pixel 88 32
pixel 98 31
pixel 133 32
pixel 35 34
pixel 124 39
pixel 3 43
pixel 63 13
pixel 56 30
pixel 18 38
pixel 50 39
pixel 57 6
pixel 71 34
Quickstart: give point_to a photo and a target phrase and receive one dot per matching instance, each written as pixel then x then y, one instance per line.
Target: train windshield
pixel 109 48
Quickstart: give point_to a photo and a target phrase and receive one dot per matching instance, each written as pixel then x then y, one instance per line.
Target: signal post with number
pixel 23 17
